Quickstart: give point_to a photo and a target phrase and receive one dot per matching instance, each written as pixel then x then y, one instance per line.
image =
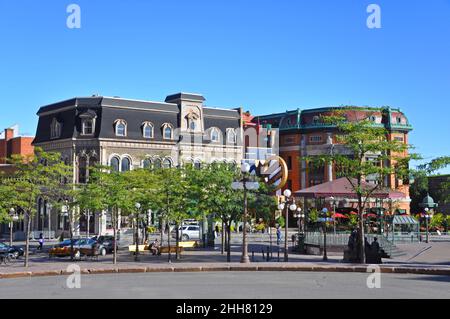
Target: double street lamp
pixel 246 185
pixel 136 254
pixel 324 219
pixel 13 218
pixel 288 204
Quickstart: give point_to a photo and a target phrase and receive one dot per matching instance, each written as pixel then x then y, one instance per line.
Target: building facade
pixel 302 133
pixel 128 134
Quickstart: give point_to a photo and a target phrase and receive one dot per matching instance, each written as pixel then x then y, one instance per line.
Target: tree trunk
pixel 168 243
pixel 229 243
pixel 27 240
pixel 71 235
pixel 114 222
pixel 361 237
pixel 222 239
pixel 177 241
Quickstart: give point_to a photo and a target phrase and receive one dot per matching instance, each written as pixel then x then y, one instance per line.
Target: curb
pixel 294 268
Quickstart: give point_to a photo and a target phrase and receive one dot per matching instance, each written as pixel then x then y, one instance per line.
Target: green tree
pixel 363 140
pixel 39 175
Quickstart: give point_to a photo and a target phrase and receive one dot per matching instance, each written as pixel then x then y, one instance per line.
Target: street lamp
pixel 427 218
pixel 381 221
pixel 245 169
pixel 324 219
pixel 288 204
pixel 14 218
pixel 136 255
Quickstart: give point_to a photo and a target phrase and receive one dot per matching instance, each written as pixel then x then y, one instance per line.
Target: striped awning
pixel 405 220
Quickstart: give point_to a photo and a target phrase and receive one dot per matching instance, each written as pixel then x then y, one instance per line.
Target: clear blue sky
pixel 267 56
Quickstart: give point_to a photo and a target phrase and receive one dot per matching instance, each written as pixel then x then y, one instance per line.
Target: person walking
pixel 278 235
pixel 41 241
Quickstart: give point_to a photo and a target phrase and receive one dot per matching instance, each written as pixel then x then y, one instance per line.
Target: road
pixel 236 285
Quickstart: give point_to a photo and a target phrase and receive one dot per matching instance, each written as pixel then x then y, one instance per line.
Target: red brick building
pixel 301 133
pixel 11 143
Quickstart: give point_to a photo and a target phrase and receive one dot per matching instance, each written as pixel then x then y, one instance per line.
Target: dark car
pixel 107 242
pixel 14 251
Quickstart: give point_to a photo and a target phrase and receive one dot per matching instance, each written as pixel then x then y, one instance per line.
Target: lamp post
pixel 14 218
pixel 300 215
pixel 427 218
pixel 324 213
pixel 288 204
pixel 136 254
pixel 245 169
pixel 381 221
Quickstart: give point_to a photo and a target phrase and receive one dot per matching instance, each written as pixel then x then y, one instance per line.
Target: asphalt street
pixel 236 285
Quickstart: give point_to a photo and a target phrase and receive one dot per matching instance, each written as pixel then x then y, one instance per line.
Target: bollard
pixel 253 255
pixel 263 256
pixel 268 257
pixel 278 255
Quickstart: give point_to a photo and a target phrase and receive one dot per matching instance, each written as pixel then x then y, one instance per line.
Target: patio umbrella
pixel 371 215
pixel 338 215
pixel 353 213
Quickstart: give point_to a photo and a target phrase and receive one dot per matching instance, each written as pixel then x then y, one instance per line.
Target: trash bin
pixel 301 243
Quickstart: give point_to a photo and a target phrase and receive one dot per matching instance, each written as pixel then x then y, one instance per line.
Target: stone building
pixel 127 134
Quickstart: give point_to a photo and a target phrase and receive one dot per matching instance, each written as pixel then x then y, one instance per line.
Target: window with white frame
pixel 87 126
pixel 231 136
pixel 167 130
pixel 147 130
pixel 55 129
pixel 121 128
pixel 167 163
pixel 215 135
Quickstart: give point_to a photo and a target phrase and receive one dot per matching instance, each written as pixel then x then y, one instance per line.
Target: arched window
pixel 167 130
pixel 166 163
pixel 115 162
pixel 147 130
pixel 82 170
pixel 197 164
pixel 55 129
pixel 126 164
pixel 157 163
pixel 147 163
pixel 231 136
pixel 215 137
pixel 121 128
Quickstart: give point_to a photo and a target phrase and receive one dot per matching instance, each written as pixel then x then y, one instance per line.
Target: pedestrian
pixel 217 231
pixel 41 241
pixel 278 235
pixel 155 247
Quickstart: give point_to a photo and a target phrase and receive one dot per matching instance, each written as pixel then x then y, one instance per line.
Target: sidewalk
pixel 202 261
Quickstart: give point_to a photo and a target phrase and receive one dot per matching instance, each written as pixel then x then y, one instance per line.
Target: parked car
pixel 108 242
pixel 188 232
pixel 81 247
pixel 14 251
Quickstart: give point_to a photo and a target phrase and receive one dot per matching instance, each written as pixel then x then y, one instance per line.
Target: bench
pixel 188 244
pixel 141 248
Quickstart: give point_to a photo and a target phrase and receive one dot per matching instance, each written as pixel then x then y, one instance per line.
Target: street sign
pixel 249 185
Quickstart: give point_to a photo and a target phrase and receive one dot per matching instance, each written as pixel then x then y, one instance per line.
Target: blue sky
pixel 267 56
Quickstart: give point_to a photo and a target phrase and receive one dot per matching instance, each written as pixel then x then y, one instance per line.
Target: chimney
pixel 9 134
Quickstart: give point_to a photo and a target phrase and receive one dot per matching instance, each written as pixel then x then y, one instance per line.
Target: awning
pixel 343 188
pixel 404 220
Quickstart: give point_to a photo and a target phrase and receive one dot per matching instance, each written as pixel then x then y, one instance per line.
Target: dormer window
pixel 121 128
pixel 215 137
pixel 167 130
pixel 192 124
pixel 88 122
pixel 55 129
pixel 399 120
pixel 231 136
pixel 147 130
pixel 316 119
